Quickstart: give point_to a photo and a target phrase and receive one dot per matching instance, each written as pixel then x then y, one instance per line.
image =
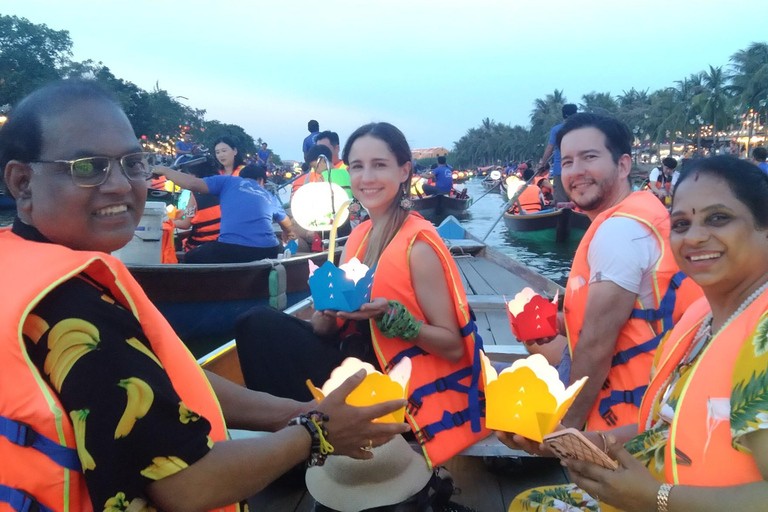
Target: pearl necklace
pixel 702 339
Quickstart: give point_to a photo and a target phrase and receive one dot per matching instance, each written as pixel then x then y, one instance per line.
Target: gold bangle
pixel 605 441
pixel 662 498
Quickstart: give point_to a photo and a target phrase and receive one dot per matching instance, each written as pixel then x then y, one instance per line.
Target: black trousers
pixel 219 252
pixel 278 353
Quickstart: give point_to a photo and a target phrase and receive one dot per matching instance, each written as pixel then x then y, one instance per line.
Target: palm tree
pixel 599 103
pixel 715 98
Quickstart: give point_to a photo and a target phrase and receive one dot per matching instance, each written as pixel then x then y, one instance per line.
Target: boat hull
pixel 202 302
pixel 557 225
pixel 438 207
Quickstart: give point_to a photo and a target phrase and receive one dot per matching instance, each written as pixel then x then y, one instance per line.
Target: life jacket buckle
pixel 34 505
pixel 457 419
pixel 609 417
pixel 629 397
pixel 413 406
pixel 423 437
pixel 26 436
pixel 441 385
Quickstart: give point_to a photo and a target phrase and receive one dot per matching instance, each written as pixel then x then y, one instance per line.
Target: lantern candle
pixel 531 316
pixel 375 388
pixel 526 398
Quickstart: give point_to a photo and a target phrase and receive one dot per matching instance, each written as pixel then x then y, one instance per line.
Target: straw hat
pixel 395 473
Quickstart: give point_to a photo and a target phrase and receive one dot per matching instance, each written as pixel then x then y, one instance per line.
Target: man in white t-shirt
pixel 662 180
pixel 613 300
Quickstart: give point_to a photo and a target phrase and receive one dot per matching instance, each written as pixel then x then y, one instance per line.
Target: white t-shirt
pixel 624 252
pixel 654 176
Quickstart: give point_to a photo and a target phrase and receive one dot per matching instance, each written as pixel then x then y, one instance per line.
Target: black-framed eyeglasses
pixel 93 171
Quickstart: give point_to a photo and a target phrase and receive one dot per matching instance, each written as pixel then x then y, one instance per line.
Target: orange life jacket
pixel 168 254
pixel 158 183
pixel 617 403
pixel 713 459
pixel 529 200
pixel 206 222
pixel 340 165
pixel 309 177
pixel 446 405
pixel 235 172
pixel 40 465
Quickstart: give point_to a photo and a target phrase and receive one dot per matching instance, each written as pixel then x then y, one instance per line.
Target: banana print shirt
pixel 130 424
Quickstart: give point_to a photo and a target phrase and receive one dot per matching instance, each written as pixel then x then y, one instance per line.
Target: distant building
pixel 418 154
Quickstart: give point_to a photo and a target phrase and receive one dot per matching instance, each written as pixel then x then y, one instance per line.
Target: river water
pixel 550 259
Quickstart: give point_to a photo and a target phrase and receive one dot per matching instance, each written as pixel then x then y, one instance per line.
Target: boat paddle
pixel 511 201
pixel 482 196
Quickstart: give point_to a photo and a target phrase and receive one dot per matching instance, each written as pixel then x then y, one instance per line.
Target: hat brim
pixel 354 494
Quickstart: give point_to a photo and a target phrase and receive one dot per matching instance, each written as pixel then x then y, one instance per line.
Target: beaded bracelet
pixel 313 421
pixel 398 322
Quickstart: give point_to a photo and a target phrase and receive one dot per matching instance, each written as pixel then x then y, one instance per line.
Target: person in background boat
pixel 311 139
pixel 624 291
pixel 553 151
pixel 700 431
pixel 202 215
pixel 663 179
pixel 759 156
pixel 103 408
pixel 309 173
pixel 318 160
pixel 247 213
pixel 263 156
pixel 528 201
pixel 416 282
pixel 185 145
pixel 231 161
pixel 443 175
pixel 546 197
pixel 331 140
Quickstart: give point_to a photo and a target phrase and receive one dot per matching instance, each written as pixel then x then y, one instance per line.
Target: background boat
pixel 7 202
pixel 436 208
pixel 202 302
pixel 557 225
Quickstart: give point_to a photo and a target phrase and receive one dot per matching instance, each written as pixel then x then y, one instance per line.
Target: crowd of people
pixel 103 408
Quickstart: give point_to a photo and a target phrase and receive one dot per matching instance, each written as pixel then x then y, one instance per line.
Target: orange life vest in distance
pixel 158 183
pixel 340 165
pixel 308 177
pixel 206 222
pixel 37 445
pixel 617 403
pixel 713 459
pixel 529 200
pixel 235 171
pixel 168 253
pixel 446 402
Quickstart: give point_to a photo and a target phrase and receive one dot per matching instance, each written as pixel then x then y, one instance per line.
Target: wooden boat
pixel 487 276
pixel 488 184
pixel 7 202
pixel 202 302
pixel 557 225
pixel 438 207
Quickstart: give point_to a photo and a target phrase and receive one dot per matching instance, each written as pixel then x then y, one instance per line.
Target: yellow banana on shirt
pixel 78 422
pixel 140 398
pixel 162 467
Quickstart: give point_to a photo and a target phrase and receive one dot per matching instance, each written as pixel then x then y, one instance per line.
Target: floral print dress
pixel 749 413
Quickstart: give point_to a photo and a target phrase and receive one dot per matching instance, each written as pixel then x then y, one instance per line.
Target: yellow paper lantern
pixel 527 398
pixel 375 388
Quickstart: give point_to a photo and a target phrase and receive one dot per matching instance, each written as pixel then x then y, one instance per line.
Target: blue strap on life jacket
pixel 634 396
pixel 408 352
pixel 476 411
pixel 448 421
pixel 442 384
pixel 666 306
pixel 21 501
pixel 625 355
pixel 22 434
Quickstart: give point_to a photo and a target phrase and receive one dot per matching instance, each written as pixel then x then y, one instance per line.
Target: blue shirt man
pixel 556 169
pixel 184 146
pixel 443 177
pixel 247 211
pixel 263 155
pixel 311 139
pixel 552 150
pixel 763 166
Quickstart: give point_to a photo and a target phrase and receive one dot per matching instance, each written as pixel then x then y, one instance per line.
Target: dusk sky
pixel 434 69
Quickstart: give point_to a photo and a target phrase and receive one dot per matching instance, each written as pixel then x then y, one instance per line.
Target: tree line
pixel 32 55
pixel 701 105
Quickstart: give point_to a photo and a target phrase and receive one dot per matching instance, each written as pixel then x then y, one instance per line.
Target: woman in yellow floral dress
pixel 701 443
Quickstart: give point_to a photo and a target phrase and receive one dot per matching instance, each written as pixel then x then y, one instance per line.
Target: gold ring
pixel 369 447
